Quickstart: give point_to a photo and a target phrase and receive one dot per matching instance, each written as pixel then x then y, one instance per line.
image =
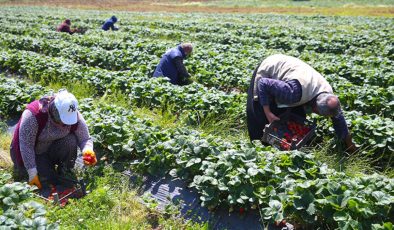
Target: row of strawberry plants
pixel 351 65
pixel 373 99
pixel 214 69
pixel 17 211
pixel 196 100
pixel 339 39
pixel 242 175
pixel 15 94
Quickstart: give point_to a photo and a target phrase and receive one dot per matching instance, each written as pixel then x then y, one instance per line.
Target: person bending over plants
pixel 283 82
pixel 66 27
pixel 110 24
pixel 171 65
pixel 46 138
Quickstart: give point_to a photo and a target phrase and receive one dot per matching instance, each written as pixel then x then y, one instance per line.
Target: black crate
pixel 273 133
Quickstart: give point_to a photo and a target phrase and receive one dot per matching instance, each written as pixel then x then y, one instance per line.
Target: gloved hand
pixel 33 178
pixel 89 157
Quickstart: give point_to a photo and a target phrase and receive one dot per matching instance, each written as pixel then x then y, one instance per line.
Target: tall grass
pixel 5 141
pixel 111 204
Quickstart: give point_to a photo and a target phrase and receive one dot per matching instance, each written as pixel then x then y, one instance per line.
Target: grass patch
pixel 354 164
pixel 78 88
pixel 226 126
pixel 115 98
pixel 112 205
pixel 5 141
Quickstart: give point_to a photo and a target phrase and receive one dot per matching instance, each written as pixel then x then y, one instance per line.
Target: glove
pixel 89 157
pixel 33 178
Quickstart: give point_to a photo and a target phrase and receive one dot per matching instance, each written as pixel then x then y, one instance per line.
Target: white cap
pixel 67 106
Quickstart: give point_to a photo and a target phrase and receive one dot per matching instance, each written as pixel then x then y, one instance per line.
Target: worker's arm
pixel 27 138
pixel 283 92
pixel 85 141
pixel 342 131
pixel 67 29
pixel 183 74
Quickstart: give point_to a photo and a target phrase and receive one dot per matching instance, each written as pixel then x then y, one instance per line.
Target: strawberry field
pixel 206 142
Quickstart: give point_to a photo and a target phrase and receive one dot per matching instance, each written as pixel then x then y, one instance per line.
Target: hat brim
pixel 69 118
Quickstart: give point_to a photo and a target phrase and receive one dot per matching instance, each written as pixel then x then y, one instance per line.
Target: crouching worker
pixel 46 138
pixel 171 65
pixel 110 24
pixel 283 82
pixel 66 27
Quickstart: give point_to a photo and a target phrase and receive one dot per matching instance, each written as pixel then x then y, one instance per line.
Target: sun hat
pixel 67 106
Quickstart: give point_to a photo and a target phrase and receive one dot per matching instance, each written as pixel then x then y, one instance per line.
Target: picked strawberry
pixel 89 157
pixel 280 223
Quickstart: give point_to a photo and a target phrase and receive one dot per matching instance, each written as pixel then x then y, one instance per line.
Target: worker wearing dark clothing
pixel 109 24
pixel 65 27
pixel 281 83
pixel 171 65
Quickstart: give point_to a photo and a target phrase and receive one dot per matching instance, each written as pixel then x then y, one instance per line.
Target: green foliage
pixel 17 211
pixel 354 54
pixel 15 95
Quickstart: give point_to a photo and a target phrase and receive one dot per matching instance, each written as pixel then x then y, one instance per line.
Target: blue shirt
pixel 109 24
pixel 167 66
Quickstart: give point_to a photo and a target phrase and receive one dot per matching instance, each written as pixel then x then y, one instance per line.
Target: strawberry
pixel 88 158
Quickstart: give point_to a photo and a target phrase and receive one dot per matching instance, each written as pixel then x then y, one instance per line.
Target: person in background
pixel 171 65
pixel 46 138
pixel 283 82
pixel 110 24
pixel 66 27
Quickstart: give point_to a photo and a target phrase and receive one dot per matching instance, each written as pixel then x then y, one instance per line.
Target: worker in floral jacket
pixel 46 138
pixel 281 82
pixel 66 27
pixel 171 65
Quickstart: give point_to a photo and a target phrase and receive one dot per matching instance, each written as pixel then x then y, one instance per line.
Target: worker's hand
pixel 271 117
pixel 351 147
pixel 89 157
pixel 33 178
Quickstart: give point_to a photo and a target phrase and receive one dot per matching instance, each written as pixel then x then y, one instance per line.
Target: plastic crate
pixel 59 194
pixel 299 132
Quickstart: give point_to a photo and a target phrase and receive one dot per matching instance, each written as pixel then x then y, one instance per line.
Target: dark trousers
pixel 255 116
pixel 61 155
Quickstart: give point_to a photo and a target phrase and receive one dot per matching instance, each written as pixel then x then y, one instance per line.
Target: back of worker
pixel 167 67
pixel 109 24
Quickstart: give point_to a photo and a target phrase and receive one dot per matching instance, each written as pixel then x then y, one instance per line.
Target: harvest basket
pixel 289 133
pixel 66 189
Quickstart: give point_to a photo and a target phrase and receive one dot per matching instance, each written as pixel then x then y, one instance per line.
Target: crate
pixel 67 188
pixel 299 132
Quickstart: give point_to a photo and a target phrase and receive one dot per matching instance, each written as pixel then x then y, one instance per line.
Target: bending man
pixel 171 65
pixel 281 82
